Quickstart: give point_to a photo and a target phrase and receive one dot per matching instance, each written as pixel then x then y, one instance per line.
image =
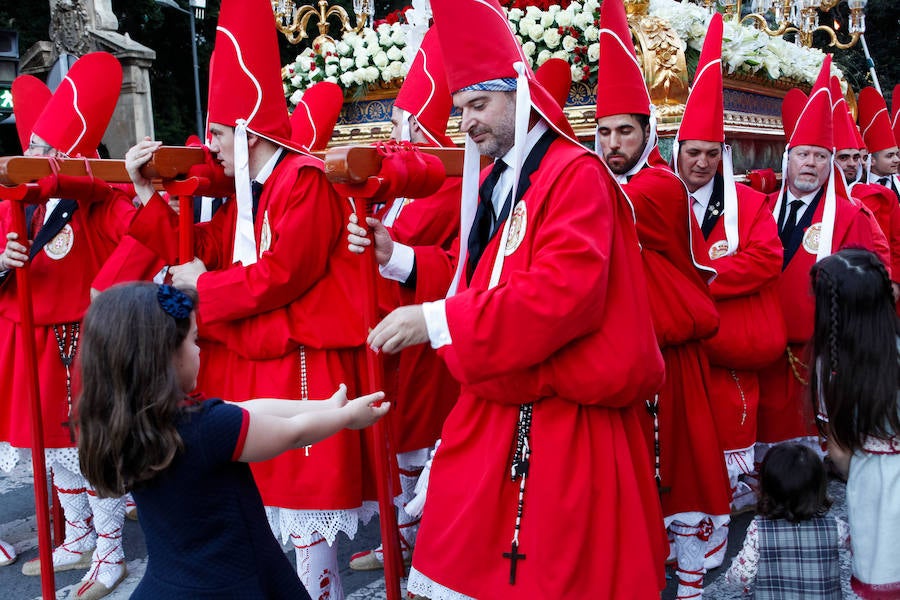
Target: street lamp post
pixel 197 6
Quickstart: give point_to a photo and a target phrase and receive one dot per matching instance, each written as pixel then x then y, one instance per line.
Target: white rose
pixel 526 24
pixel 346 63
pixel 542 57
pixel 383 29
pixel 385 41
pixel 397 69
pixel 327 47
pixel 370 37
pixel 577 73
pixel 515 14
pixel 380 59
pixel 361 61
pixel 528 48
pixel 296 96
pixel 582 20
pixel 332 79
pixel 331 69
pixel 551 38
pixel 561 54
pixel 398 37
pixel 594 52
pixel 395 53
pixel 569 43
pixel 563 18
pixel 372 74
pixel 575 7
pixel 546 19
pixel 297 80
pixel 554 8
pixel 536 33
pixel 348 79
pixel 591 33
pixel 533 12
pixel 343 48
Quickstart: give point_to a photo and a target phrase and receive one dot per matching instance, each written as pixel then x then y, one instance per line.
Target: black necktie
pixel 787 229
pixel 713 210
pixel 884 181
pixel 483 225
pixel 256 189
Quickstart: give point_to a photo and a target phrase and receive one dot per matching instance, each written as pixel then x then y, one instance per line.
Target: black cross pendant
pixel 513 556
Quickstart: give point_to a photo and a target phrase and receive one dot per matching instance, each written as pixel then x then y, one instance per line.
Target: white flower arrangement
pixel 380 56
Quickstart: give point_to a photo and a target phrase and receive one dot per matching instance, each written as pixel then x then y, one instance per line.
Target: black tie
pixel 256 189
pixel 713 210
pixel 483 225
pixel 787 229
pixel 884 181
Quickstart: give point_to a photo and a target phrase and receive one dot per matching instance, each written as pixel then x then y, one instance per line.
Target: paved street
pixel 17 526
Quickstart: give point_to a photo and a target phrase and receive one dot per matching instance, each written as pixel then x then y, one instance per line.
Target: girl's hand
pixel 337 400
pixel 362 410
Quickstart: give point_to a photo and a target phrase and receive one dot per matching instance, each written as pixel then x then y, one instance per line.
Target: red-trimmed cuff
pixel 875 591
pixel 242 436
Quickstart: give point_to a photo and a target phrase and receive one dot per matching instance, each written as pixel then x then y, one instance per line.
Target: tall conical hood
pixel 844 127
pixel 895 118
pixel 75 118
pixel 874 121
pixel 704 112
pixel 30 96
pixel 425 92
pixel 622 88
pixel 315 116
pixel 556 77
pixel 814 126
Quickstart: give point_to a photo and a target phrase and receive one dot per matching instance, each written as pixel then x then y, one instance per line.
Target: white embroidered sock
pixel 716 547
pixel 317 566
pixel 80 534
pixel 690 551
pixel 108 562
pixel 7 553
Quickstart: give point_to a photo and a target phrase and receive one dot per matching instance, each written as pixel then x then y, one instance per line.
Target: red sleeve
pixel 304 232
pixel 242 436
pixel 758 261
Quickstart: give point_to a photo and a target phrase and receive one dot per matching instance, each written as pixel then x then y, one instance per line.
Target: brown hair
pixel 792 484
pixel 130 399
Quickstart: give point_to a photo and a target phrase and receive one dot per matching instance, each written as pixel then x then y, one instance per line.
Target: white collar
pixel 805 199
pixel 267 169
pixel 704 193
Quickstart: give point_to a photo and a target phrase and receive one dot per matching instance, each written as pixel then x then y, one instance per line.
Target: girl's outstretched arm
pixel 279 407
pixel 271 434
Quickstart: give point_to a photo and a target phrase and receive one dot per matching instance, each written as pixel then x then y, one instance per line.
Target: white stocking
pixel 7 553
pixel 408 525
pixel 317 566
pixel 716 547
pixel 690 551
pixel 80 535
pixel 109 559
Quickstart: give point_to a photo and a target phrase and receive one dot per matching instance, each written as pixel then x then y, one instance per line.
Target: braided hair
pixel 855 371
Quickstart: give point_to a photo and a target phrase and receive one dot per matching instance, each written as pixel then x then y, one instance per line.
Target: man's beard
pixel 806 186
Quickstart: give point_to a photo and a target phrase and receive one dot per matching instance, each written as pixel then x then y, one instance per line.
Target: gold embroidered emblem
pixel 61 244
pixel 265 235
pixel 811 238
pixel 517 225
pixel 718 250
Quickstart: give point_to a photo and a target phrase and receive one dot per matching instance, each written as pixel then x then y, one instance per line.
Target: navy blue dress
pixel 204 522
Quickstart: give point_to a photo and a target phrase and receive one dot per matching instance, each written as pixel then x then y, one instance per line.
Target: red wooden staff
pixel 373 175
pixel 18 196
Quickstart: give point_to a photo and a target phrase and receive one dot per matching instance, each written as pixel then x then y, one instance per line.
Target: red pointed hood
pixel 704 112
pixel 425 92
pixel 75 118
pixel 844 127
pixel 315 116
pixel 791 107
pixel 30 96
pixel 895 118
pixel 813 126
pixel 556 77
pixel 874 121
pixel 623 89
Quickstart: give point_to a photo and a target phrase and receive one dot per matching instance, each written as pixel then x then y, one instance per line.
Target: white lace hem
pixel 67 458
pixel 694 518
pixel 423 586
pixel 302 524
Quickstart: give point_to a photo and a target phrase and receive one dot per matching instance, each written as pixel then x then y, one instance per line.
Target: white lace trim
pixel 876 445
pixel 303 524
pixel 66 458
pixel 739 462
pixel 694 518
pixel 423 586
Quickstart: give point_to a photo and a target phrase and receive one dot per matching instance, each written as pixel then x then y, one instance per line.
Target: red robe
pixel 751 327
pixel 425 390
pixel 60 295
pixel 883 204
pixel 295 307
pixel 567 328
pixel 785 411
pixel 693 475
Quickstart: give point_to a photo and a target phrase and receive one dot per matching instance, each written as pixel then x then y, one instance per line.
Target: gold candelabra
pixel 800 17
pixel 292 20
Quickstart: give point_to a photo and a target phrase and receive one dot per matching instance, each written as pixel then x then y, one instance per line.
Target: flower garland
pixel 565 29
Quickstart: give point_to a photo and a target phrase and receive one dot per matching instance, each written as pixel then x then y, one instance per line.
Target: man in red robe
pixel 734 233
pixel 71 238
pixel 547 329
pixel 815 217
pixel 278 313
pixel 679 421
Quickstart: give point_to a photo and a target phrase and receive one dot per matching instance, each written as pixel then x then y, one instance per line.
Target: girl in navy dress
pixel 184 457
